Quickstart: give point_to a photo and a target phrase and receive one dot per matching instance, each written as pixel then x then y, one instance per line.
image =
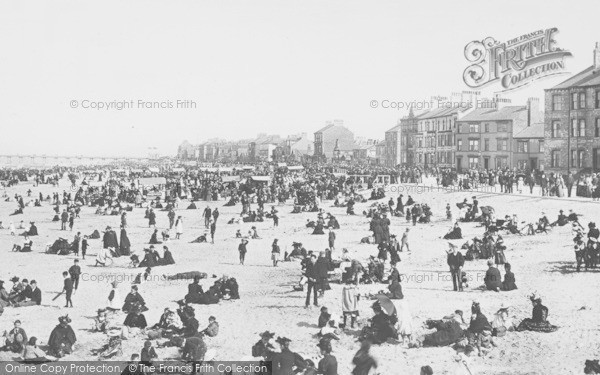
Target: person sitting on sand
pixel 33 354
pixel 133 299
pixel 213 327
pixel 538 321
pixel 154 238
pixel 62 338
pixel 492 279
pixel 509 279
pixel 15 339
pixel 454 234
pixel 195 291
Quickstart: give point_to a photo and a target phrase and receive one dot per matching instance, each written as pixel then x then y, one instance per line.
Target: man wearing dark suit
pixel 311 275
pixel 68 289
pixel 456 262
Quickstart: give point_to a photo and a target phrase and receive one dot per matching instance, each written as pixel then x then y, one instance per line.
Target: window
pixel 502 145
pixel 473 163
pixel 541 145
pixel 555 128
pixel 523 146
pixel 574 101
pixel 582 127
pixel 487 128
pixel 556 103
pixel 573 127
pixel 502 127
pixel 555 159
pixel 597 98
pixel 582 100
pixel 486 144
pixel 577 158
pixel 459 144
pixel 502 162
pixel 458 129
pixel 597 129
pixel 474 128
pixel 473 144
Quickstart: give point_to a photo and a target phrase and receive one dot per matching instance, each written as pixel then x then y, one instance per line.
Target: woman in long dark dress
pixel 509 279
pixel 538 322
pixel 125 244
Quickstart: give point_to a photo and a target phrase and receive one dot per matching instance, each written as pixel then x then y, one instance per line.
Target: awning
pixel 295 168
pixel 261 178
pixel 137 171
pixel 226 179
pixel 248 167
pixel 147 181
pixel 154 169
pixel 178 170
pixel 280 165
pixel 225 169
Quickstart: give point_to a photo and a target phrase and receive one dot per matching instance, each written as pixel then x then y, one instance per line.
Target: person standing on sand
pixel 75 272
pixel 456 263
pixel 331 239
pixel 243 249
pixel 275 252
pixel 178 227
pixel 405 240
pixel 213 229
pixel 68 289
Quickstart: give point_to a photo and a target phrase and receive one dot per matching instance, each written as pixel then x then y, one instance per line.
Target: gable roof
pixel 491 114
pixel 588 77
pixel 325 128
pixel 533 131
pixel 394 129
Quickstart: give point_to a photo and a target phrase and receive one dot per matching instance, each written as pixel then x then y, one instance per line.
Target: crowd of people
pixel 314 190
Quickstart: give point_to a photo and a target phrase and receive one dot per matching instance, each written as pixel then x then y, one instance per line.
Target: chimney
pixel 533 111
pixel 597 56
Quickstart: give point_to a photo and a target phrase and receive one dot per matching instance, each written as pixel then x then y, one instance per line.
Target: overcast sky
pixel 279 67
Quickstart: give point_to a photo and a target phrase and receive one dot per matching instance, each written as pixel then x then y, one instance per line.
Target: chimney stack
pixel 533 111
pixel 597 56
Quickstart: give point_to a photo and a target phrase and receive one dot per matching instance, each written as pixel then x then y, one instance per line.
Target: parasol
pixel 386 304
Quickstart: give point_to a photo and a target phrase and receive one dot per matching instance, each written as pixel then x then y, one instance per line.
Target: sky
pixel 261 66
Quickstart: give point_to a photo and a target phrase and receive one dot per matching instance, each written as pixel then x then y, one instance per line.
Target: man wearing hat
pixel 263 348
pixel 286 362
pixel 16 290
pixel 33 298
pixel 312 280
pixel 328 364
pixel 455 262
pixel 15 339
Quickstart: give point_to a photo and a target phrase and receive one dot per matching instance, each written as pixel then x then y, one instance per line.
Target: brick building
pixel 435 139
pixel 528 148
pixel 334 133
pixel 485 137
pixel 572 121
pixel 408 133
pixel 393 147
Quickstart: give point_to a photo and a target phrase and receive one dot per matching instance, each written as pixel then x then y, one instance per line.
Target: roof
pixel 394 129
pixel 533 131
pixel 490 114
pixel 588 77
pixel 439 112
pixel 325 128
